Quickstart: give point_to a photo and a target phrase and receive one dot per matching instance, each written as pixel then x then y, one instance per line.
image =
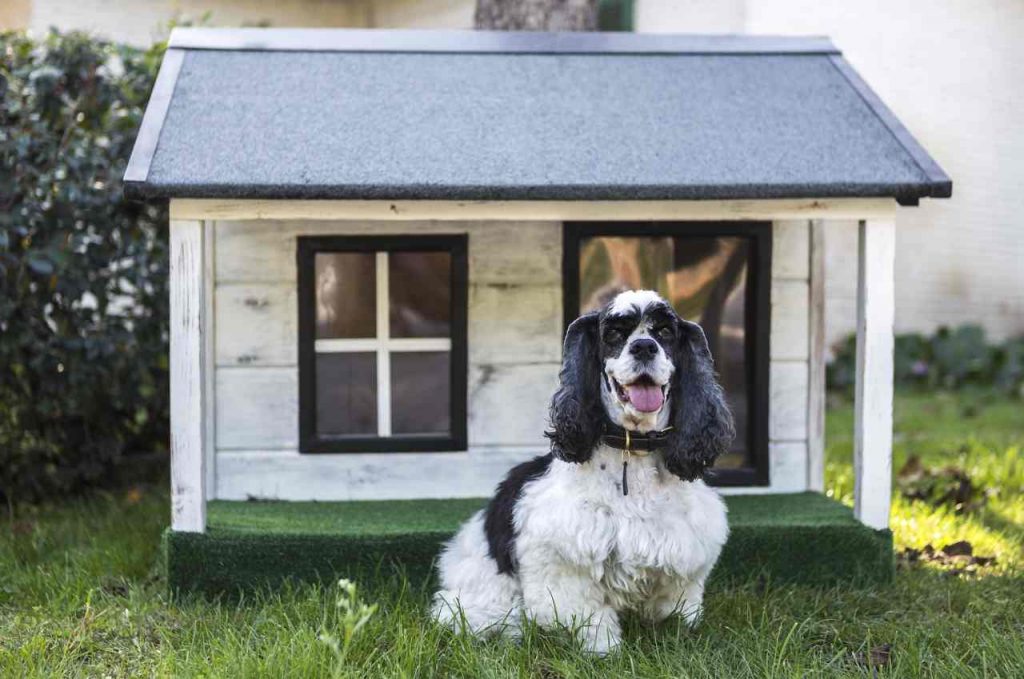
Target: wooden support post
pixel 816 365
pixel 874 387
pixel 209 360
pixel 188 378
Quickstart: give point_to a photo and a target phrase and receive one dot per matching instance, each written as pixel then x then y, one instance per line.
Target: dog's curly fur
pixel 561 542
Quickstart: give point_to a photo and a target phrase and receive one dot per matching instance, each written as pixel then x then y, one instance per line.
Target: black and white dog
pixel 617 517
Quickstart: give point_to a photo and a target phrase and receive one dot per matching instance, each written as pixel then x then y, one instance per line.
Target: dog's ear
pixel 576 410
pixel 702 426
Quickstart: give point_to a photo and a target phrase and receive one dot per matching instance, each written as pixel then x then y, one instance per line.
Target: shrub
pixel 83 309
pixel 951 359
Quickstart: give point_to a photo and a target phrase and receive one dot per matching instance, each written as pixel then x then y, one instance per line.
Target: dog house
pixel 379 237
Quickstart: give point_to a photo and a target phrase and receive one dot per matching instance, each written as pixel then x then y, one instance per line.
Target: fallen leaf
pixel 949 486
pixel 959 548
pixel 23 527
pixel 958 557
pixel 114 587
pixel 877 656
pixel 911 470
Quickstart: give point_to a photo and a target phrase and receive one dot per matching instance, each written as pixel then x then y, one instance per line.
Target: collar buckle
pixel 632 443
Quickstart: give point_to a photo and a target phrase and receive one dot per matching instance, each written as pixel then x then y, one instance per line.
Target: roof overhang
pixel 297 114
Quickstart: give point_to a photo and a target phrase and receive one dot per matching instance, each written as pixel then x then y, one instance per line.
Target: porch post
pixel 816 362
pixel 188 379
pixel 874 385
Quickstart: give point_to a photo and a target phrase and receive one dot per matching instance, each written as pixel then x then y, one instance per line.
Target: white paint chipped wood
pixel 506 253
pixel 289 475
pixel 789 324
pixel 258 408
pixel 788 466
pixel 872 449
pixel 510 403
pixel 790 248
pixel 816 365
pixel 209 363
pixel 256 324
pixel 789 350
pixel 581 210
pixel 188 399
pixel 514 323
pixel 292 476
pixel 513 356
pixel 787 419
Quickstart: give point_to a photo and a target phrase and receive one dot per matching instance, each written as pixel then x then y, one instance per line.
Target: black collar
pixel 616 437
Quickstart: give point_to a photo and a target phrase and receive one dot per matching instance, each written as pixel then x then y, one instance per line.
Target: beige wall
pixel 14 14
pixel 951 71
pixel 140 22
pixel 422 13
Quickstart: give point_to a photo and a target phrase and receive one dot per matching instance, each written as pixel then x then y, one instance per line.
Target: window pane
pixel 705 279
pixel 346 291
pixel 346 393
pixel 420 290
pixel 420 392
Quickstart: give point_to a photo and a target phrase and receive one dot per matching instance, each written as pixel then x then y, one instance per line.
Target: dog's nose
pixel 644 349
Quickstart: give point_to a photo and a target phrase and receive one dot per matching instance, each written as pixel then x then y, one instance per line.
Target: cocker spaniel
pixel 616 517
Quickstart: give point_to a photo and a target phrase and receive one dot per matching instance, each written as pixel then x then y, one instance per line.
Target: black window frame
pixel 757 322
pixel 310 442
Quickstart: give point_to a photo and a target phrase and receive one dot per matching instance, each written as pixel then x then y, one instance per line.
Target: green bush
pixel 83 309
pixel 950 359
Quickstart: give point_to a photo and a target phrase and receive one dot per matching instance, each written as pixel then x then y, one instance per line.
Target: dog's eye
pixel 612 335
pixel 665 331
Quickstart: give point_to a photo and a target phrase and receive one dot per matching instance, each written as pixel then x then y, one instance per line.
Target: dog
pixel 617 516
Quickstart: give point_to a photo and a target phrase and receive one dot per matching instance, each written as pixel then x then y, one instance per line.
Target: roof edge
pixel 905 193
pixel 153 119
pixel 489 42
pixel 939 183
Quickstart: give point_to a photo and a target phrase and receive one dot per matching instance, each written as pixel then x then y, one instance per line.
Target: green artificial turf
pixel 804 538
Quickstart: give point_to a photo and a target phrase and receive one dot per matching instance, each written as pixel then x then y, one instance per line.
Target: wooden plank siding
pixel 514 340
pixel 790 353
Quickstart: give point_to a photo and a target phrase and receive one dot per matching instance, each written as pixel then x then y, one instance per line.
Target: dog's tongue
pixel 646 398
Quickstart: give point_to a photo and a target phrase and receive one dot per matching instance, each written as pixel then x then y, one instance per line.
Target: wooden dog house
pixel 378 238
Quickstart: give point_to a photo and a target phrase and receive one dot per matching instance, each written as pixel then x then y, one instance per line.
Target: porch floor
pixel 803 537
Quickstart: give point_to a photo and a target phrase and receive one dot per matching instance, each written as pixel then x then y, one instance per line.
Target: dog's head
pixel 638 365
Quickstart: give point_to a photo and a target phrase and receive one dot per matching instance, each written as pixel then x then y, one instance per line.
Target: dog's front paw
pixel 684 601
pixel 601 638
pixel 692 614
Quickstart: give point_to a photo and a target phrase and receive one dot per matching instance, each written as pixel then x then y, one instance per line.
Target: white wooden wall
pixel 515 325
pixel 789 385
pixel 514 342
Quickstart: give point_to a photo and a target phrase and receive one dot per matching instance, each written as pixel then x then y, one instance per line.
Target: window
pixel 382 343
pixel 715 274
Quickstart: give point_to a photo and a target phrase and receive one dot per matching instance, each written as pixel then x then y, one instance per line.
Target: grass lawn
pixel 80 594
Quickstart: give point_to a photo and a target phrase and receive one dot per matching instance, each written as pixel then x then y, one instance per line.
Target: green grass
pixel 80 595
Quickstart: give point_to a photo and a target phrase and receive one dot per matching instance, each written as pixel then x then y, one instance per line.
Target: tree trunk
pixel 536 15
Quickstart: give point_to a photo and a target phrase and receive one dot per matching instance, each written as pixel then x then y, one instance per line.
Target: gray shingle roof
pixel 251 113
